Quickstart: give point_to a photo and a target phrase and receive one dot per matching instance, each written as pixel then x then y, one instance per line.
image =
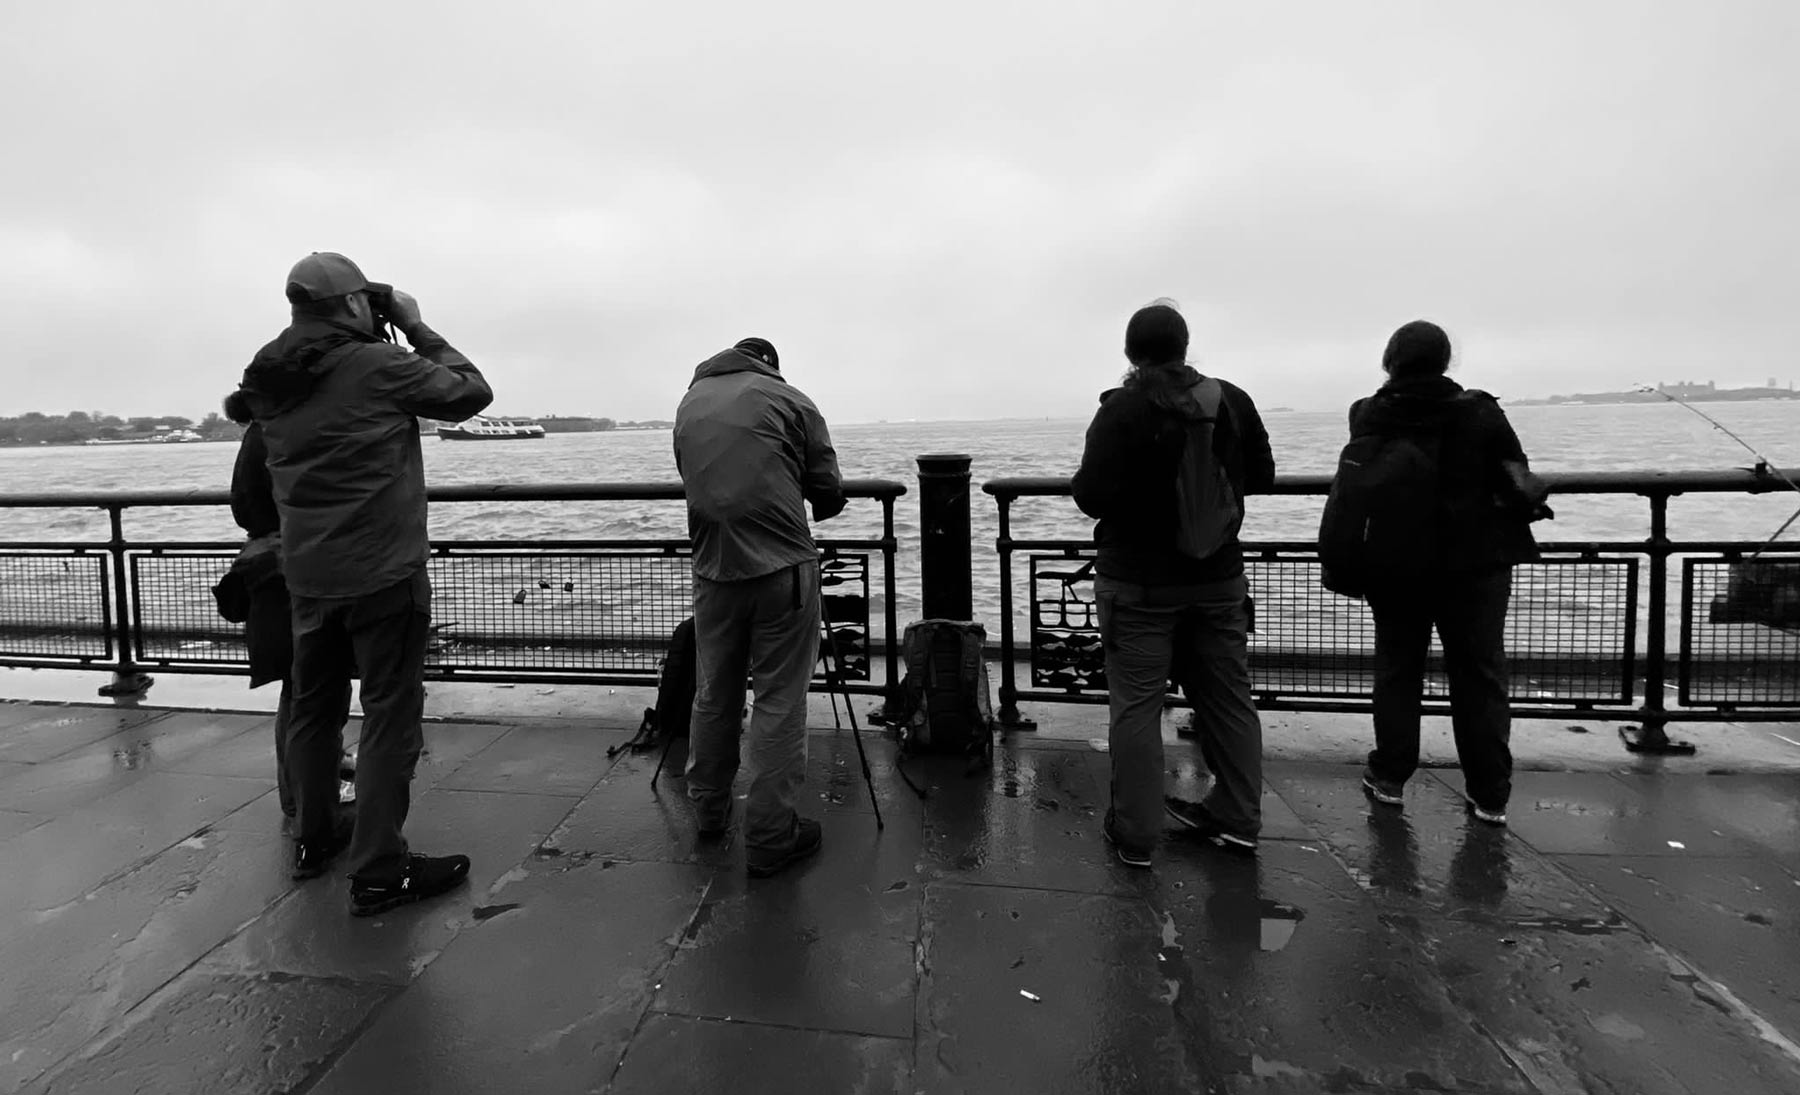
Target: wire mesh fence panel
pixel 1569 632
pixel 56 605
pixel 174 616
pixel 1740 632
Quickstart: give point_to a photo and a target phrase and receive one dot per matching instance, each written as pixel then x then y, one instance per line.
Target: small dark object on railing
pixel 1760 593
pixel 519 597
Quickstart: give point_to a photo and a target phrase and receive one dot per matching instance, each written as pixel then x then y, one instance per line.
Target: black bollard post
pixel 944 537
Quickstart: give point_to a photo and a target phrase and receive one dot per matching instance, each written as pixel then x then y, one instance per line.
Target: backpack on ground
pixel 1209 511
pixel 944 705
pixel 675 682
pixel 1383 520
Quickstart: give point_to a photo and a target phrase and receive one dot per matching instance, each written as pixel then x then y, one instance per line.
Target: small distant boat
pixel 482 428
pixel 163 436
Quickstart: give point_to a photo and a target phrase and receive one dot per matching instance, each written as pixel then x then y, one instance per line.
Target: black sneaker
pixel 1199 822
pixel 1384 791
pixel 1130 855
pixel 311 857
pixel 1496 818
pixel 807 838
pixel 420 877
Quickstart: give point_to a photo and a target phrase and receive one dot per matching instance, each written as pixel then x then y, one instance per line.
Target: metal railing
pixel 578 611
pixel 1573 633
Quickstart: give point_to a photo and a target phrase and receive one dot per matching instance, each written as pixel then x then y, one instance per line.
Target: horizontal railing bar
pixel 462 492
pixel 1561 547
pixel 1733 481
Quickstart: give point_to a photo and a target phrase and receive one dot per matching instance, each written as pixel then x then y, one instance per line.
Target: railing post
pixel 1652 737
pixel 1009 717
pixel 890 549
pixel 128 680
pixel 945 543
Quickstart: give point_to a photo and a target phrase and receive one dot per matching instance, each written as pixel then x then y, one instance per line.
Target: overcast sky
pixel 947 210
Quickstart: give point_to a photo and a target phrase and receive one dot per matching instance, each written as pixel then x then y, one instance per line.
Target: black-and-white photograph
pixel 945 549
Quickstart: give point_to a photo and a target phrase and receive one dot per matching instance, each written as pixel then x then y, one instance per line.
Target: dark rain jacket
pixel 268 626
pixel 752 449
pixel 1128 471
pixel 1486 510
pixel 339 413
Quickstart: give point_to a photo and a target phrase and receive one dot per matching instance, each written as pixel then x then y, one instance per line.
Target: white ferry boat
pixel 482 428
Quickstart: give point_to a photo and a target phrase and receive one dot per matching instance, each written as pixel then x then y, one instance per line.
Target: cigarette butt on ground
pixel 1032 996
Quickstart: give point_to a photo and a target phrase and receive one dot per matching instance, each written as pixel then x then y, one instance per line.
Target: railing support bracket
pixel 1650 740
pixel 128 683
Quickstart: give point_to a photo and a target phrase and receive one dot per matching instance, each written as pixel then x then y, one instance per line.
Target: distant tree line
pixel 76 427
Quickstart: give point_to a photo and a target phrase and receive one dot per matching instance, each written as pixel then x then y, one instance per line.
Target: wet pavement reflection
pixel 1631 933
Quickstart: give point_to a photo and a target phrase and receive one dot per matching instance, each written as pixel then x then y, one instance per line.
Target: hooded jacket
pixel 1486 518
pixel 1128 472
pixel 751 450
pixel 338 410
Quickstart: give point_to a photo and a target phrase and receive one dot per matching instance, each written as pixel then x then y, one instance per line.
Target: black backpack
pixel 674 709
pixel 1208 511
pixel 1383 520
pixel 944 703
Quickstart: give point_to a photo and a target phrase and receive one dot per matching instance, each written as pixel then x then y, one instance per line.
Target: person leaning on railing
pixel 339 410
pixel 1482 500
pixel 1169 458
pixel 266 612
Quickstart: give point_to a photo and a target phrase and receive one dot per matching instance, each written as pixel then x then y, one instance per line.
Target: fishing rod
pixel 1763 463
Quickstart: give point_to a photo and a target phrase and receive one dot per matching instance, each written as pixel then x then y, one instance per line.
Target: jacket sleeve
pixel 252 491
pixel 1102 485
pixel 435 382
pixel 820 482
pixel 1253 438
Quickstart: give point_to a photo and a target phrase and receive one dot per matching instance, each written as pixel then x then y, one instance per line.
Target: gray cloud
pixel 945 211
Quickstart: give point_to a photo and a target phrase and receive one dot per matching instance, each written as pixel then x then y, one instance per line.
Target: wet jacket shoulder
pixel 1487 523
pixel 252 492
pixel 1128 471
pixel 753 453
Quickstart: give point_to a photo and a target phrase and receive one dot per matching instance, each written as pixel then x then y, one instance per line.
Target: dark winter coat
pixel 339 412
pixel 1485 513
pixel 1128 472
pixel 752 450
pixel 269 629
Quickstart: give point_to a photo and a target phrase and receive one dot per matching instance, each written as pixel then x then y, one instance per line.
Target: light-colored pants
pixel 766 629
pixel 1197 636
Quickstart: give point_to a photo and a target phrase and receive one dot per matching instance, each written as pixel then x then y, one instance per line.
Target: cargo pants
pixel 1198 636
pixel 766 629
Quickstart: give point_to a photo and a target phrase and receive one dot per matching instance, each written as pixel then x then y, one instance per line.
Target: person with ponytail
pixel 1170 456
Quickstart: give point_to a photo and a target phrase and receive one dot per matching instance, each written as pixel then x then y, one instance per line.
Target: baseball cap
pixel 761 349
pixel 325 274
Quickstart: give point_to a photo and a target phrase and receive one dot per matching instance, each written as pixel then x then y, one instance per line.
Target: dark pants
pixel 1470 615
pixel 385 634
pixel 1197 635
pixel 284 725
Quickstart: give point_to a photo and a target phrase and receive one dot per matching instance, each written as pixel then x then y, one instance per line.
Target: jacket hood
pixel 732 361
pixel 1410 403
pixel 284 373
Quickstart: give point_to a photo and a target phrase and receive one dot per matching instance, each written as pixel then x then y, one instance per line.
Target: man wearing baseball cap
pixel 339 409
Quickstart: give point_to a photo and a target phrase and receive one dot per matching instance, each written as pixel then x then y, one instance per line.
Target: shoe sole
pixel 1382 796
pixel 769 869
pixel 1498 821
pixel 1225 842
pixel 399 900
pixel 1125 858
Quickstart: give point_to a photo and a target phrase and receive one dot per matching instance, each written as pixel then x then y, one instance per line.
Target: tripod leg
pixel 834 676
pixel 664 759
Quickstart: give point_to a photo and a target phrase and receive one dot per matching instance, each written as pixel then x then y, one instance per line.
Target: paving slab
pixel 73 971
pixel 1757 811
pixel 827 945
pixel 681 1053
pixel 71 854
pixel 94 771
pixel 12 824
pixel 542 996
pixel 51 732
pixel 312 932
pixel 1574 813
pixel 226 1034
pixel 543 760
pixel 1736 920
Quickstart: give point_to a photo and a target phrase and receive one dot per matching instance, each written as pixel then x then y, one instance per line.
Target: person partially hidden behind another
pixel 752 451
pixel 1460 497
pixel 268 614
pixel 1169 458
pixel 339 410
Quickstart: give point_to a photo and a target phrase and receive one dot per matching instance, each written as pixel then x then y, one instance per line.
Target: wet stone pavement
pixel 1634 931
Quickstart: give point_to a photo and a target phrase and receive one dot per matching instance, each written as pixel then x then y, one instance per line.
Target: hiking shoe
pixel 419 877
pixel 1384 791
pixel 1199 822
pixel 1130 855
pixel 311 857
pixel 1491 817
pixel 762 863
